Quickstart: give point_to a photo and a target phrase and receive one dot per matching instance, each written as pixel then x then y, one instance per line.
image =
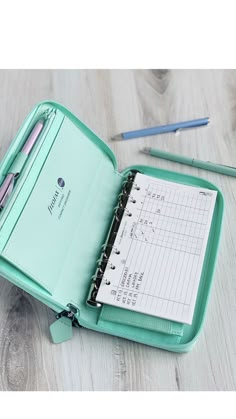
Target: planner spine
pixel 108 247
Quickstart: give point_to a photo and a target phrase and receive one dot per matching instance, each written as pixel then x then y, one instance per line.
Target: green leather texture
pixel 61 330
pixel 98 186
pixel 18 163
pixel 26 181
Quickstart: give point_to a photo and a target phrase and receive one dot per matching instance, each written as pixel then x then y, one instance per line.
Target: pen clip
pixel 48 113
pixel 178 130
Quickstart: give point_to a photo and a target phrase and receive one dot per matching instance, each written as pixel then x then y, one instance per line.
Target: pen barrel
pixel 213 167
pixel 26 149
pixel 162 129
pixel 172 157
pixel 5 186
pixel 146 132
pixel 206 165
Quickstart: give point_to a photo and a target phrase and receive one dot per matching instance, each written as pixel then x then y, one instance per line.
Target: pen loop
pixel 19 161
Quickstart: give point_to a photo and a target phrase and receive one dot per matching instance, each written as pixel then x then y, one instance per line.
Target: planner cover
pixel 54 230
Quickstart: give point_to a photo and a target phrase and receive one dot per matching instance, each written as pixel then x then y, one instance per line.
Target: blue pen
pixel 162 129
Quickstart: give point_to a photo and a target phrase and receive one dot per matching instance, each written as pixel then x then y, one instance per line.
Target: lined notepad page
pixel 162 247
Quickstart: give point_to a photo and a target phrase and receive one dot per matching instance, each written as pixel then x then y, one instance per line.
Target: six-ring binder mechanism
pixel 109 247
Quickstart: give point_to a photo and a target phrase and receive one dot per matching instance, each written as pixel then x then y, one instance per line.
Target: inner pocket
pixel 131 318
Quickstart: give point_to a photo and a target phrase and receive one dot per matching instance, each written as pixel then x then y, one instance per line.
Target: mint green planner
pixel 58 218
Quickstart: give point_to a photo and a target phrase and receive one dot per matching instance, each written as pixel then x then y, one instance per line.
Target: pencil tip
pixel 146 150
pixel 117 137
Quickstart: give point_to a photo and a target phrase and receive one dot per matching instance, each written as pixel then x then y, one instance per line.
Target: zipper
pixel 70 314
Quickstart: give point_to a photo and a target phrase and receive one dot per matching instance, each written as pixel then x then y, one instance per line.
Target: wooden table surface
pixel 110 102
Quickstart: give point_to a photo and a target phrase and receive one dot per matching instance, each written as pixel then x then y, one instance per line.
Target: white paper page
pixel 162 247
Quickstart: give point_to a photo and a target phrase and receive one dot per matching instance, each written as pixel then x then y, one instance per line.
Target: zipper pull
pixel 61 329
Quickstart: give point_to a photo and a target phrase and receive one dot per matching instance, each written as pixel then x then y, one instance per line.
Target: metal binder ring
pixel 125 211
pixel 110 264
pixel 94 282
pixel 126 195
pixel 117 215
pixel 103 258
pixel 101 272
pixel 120 203
pixel 128 181
pixel 122 197
pixel 92 300
pixel 108 245
pixel 118 207
pixel 126 188
pixel 104 246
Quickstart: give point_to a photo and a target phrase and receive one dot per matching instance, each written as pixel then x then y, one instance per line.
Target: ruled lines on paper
pixel 162 247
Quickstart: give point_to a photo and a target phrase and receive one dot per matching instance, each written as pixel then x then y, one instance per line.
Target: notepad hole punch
pixel 108 263
pixel 107 282
pixel 110 246
pixel 136 187
pixel 127 196
pixel 124 211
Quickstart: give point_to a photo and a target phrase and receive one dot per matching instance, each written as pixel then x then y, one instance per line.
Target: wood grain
pixel 111 102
